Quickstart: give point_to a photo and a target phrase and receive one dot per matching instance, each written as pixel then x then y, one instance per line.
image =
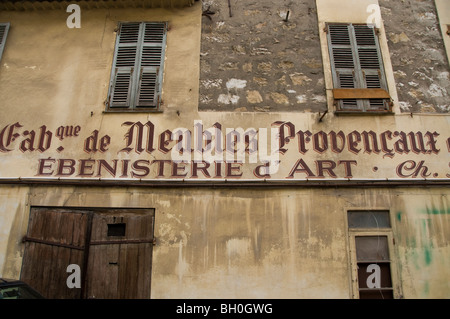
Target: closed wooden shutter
pixel 4 28
pixel 357 64
pixel 137 67
pixel 125 60
pixel 148 93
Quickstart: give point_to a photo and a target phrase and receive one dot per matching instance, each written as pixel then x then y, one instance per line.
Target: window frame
pixel 388 232
pixel 3 39
pixel 359 93
pixel 135 81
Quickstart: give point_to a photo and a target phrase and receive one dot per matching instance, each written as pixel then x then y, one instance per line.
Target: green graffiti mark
pixel 435 211
pixel 427 245
pixel 399 216
pixel 427 254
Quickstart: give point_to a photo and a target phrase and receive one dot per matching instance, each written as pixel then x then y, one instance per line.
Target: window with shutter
pixel 4 28
pixel 137 70
pixel 357 67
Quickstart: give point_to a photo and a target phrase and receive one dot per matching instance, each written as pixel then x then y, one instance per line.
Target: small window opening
pixel 116 229
pixel 368 219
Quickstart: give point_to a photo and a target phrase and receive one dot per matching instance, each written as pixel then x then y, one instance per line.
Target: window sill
pixel 342 94
pixel 364 113
pixel 113 111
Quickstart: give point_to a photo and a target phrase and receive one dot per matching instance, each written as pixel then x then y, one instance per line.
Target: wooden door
pixel 120 254
pixel 55 239
pixel 113 248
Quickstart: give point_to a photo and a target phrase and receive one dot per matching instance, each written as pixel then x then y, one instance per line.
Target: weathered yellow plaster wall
pixel 258 243
pixel 69 69
pixel 212 243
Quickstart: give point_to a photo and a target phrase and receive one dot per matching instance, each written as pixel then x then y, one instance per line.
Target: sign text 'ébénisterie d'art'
pixel 283 151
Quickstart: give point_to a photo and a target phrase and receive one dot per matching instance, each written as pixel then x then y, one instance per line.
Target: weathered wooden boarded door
pixel 56 238
pixel 113 248
pixel 120 254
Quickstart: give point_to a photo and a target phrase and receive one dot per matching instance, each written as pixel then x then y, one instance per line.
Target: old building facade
pixel 225 149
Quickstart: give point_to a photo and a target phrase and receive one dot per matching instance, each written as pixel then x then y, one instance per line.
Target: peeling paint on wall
pixel 258 49
pixel 413 27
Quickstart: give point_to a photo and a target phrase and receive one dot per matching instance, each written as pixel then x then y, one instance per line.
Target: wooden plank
pixel 112 266
pixel 85 256
pixel 103 268
pixel 129 276
pixel 342 94
pixel 145 270
pixel 44 264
